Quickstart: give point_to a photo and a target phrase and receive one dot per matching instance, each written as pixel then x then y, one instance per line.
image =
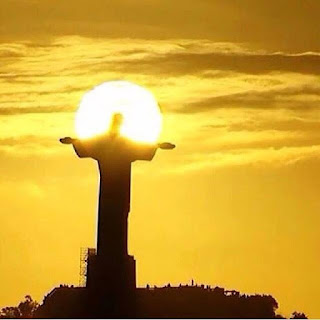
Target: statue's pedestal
pixel 111 284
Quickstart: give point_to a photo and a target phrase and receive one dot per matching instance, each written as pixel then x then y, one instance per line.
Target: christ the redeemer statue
pixel 114 155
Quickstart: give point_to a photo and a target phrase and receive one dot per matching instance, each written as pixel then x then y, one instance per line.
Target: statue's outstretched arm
pixel 81 149
pixel 147 151
pixel 166 145
pixel 66 140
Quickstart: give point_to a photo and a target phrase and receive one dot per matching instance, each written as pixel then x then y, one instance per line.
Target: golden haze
pixel 237 202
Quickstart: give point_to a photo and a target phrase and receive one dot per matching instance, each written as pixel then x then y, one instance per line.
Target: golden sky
pixel 235 205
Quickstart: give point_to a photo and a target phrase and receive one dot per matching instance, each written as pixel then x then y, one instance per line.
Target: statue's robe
pixel 114 156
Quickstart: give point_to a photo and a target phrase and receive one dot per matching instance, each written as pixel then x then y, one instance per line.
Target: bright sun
pixel 141 113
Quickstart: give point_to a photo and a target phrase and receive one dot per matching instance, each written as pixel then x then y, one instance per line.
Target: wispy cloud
pixel 245 99
pixel 287 98
pixel 9 111
pixel 185 63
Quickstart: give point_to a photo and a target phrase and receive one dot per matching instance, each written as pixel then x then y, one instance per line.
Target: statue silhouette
pixel 112 267
pixel 114 154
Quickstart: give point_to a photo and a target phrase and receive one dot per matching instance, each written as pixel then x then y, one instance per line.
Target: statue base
pixel 111 284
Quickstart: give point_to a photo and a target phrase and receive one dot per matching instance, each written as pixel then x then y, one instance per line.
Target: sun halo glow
pixel 142 118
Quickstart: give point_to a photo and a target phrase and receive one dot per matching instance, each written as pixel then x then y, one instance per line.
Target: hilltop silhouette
pixel 184 301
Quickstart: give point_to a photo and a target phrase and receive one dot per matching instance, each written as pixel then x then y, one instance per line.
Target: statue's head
pixel 116 122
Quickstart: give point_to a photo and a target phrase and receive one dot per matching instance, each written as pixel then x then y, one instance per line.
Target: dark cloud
pixel 280 98
pixel 290 125
pixel 133 51
pixel 8 111
pixel 268 143
pixel 40 92
pixel 28 140
pixel 192 63
pixel 45 45
pixel 279 25
pixel 185 62
pixel 24 75
pixel 19 49
pixel 10 53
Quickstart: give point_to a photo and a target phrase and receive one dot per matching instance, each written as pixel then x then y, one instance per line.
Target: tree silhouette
pixel 25 309
pixel 298 315
pixel 9 312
